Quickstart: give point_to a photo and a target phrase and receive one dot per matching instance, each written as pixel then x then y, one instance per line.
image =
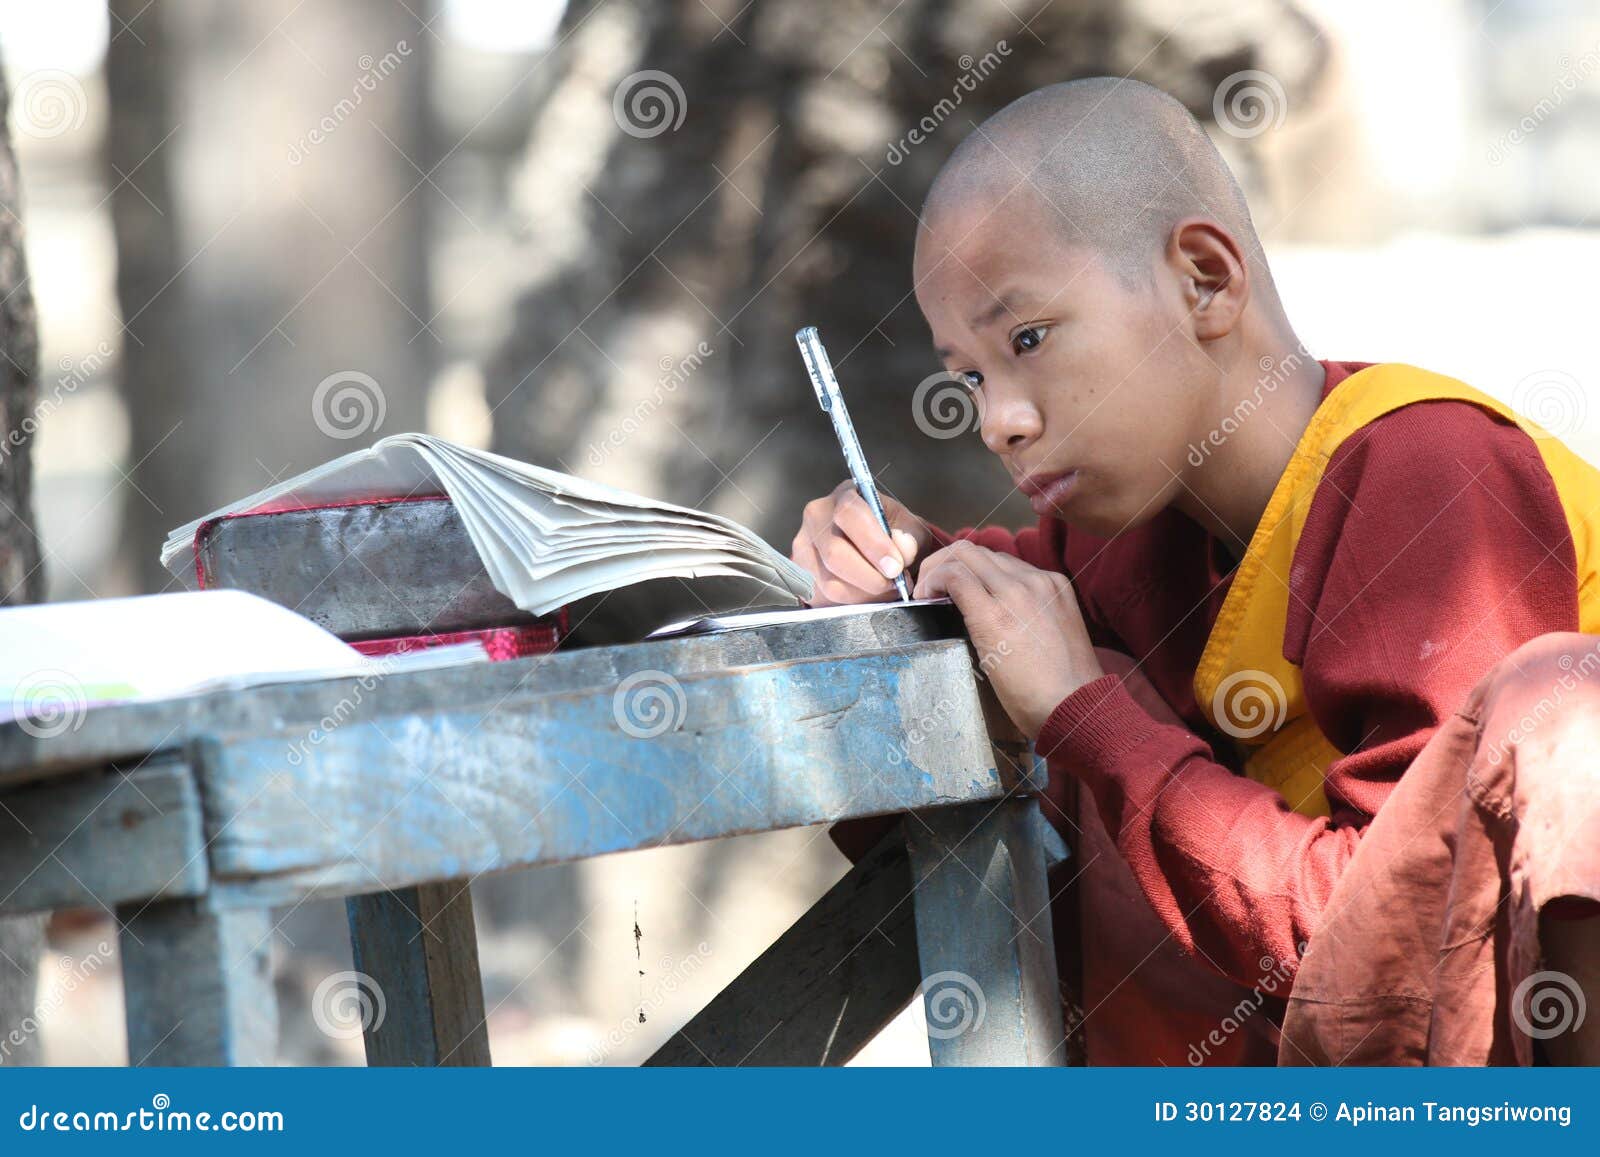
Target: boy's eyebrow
pixel 1005 303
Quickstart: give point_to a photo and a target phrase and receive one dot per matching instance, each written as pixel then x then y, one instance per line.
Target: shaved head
pixel 1116 162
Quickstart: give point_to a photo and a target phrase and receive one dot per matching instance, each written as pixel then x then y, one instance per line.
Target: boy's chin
pixel 1106 520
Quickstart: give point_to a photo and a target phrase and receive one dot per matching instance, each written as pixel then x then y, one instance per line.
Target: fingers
pixel 1002 577
pixel 960 566
pixel 908 544
pixel 843 560
pixel 910 533
pixel 853 518
pixel 842 572
pixel 845 549
pixel 839 577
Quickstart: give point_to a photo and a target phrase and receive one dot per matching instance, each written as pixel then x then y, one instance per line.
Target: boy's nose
pixel 1010 423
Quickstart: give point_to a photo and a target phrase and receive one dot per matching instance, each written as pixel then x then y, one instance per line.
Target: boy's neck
pixel 1228 493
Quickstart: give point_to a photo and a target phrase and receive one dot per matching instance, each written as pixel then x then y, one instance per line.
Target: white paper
pixel 59 659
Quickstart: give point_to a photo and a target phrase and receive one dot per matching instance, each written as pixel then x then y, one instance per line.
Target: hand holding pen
pixel 854 541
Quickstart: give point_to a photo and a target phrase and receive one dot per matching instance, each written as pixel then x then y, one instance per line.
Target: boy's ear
pixel 1216 279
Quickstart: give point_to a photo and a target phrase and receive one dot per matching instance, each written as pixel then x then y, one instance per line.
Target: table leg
pixel 989 984
pixel 419 945
pixel 198 984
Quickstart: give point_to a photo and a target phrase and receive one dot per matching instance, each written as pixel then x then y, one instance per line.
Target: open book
pixel 547 539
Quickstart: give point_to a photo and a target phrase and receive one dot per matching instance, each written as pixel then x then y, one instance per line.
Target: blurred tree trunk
pixel 21 568
pixel 271 203
pixel 302 134
pixel 787 194
pixel 157 371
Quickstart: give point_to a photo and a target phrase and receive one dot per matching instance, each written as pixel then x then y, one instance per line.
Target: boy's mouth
pixel 1048 493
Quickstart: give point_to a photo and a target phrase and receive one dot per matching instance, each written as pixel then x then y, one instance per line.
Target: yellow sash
pixel 1243 684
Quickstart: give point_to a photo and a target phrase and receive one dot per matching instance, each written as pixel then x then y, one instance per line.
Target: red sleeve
pixel 1434 546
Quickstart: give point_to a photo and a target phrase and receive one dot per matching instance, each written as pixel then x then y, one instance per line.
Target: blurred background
pixel 583 234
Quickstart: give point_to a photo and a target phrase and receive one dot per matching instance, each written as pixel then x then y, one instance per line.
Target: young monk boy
pixel 1297 638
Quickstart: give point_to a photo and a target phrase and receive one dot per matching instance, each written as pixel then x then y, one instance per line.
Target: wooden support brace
pixel 102 838
pixel 826 987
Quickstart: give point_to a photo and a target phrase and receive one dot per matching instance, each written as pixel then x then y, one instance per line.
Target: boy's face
pixel 1090 388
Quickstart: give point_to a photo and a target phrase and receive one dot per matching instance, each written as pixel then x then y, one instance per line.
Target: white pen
pixel 827 387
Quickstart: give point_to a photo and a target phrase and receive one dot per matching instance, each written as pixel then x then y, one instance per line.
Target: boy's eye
pixel 972 379
pixel 1029 339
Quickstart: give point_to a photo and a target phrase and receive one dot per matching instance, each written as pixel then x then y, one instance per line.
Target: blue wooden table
pixel 192 818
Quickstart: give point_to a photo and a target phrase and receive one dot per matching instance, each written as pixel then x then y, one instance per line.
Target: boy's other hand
pixel 842 546
pixel 1024 623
